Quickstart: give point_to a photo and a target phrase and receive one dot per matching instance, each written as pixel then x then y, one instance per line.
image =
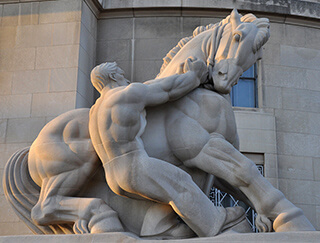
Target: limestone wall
pixel 47 49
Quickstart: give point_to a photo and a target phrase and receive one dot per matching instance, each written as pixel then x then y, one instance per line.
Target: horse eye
pixel 237 37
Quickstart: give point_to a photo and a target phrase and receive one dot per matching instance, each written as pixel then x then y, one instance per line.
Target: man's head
pixel 108 74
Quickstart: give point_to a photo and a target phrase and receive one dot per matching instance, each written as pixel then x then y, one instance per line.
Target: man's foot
pixel 234 216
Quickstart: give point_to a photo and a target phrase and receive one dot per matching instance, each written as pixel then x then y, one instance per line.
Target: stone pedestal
pixel 127 237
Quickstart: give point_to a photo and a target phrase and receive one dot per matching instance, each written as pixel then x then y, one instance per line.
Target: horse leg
pixel 220 158
pixel 55 205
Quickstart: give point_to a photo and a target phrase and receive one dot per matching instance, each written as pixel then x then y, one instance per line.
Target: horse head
pixel 239 48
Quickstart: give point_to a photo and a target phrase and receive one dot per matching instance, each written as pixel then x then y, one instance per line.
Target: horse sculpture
pixel 197 133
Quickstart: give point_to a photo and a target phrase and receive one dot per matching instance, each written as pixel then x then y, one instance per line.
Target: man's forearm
pixel 182 85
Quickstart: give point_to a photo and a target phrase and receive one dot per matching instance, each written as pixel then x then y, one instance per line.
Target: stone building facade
pixel 48 48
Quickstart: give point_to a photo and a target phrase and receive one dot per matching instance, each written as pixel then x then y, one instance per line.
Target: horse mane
pixel 260 40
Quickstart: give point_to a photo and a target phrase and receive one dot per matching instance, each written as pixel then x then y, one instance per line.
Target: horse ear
pixel 235 19
pixel 263 33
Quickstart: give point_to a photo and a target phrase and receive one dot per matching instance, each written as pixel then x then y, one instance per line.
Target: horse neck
pixel 198 47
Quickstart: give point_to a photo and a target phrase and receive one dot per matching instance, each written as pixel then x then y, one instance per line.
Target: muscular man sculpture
pixel 117 121
pixel 53 184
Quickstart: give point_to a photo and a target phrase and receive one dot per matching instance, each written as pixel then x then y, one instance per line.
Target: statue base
pixel 302 236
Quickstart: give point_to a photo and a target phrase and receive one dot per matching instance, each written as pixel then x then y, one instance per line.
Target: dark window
pixel 244 94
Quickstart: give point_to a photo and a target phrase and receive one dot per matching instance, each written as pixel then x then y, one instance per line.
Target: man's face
pixel 120 79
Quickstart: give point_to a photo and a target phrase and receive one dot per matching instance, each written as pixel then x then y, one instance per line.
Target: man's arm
pixel 160 91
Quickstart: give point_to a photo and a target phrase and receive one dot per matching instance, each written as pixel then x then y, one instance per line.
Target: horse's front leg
pixel 220 158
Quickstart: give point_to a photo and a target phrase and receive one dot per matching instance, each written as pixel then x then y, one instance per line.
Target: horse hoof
pixel 263 224
pixel 81 227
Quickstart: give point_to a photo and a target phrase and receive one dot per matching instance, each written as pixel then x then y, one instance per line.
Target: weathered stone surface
pixel 31 81
pixel 57 57
pixel 22 130
pixel 126 237
pixel 15 106
pixel 295 167
pixel 52 104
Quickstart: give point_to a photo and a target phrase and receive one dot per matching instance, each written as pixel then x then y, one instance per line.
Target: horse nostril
pixel 220 73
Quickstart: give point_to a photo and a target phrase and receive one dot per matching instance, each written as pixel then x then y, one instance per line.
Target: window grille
pixel 222 199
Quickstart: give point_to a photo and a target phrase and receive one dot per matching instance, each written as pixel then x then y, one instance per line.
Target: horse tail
pixel 23 193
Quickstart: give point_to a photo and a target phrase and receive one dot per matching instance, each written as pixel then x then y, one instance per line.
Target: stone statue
pixel 58 184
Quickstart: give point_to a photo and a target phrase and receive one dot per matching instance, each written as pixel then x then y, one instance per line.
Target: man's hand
pixel 198 66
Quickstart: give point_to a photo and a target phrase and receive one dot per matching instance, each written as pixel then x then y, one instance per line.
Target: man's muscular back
pixel 121 114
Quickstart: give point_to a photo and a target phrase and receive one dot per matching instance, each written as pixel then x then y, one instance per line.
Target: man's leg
pixel 138 174
pixel 220 158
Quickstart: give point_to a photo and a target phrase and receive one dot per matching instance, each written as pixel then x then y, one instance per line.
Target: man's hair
pixel 101 75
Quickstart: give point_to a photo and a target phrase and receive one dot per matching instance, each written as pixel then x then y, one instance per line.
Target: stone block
pixel 5 82
pixel 316 168
pixel 271 97
pixel 10 14
pixel 312 79
pixel 290 77
pixel 14 228
pixel 85 88
pixel 257 141
pixel 114 50
pixel 63 79
pixel 295 167
pixel 66 33
pixel 189 24
pixel 313 36
pixel 270 165
pixel 34 35
pixel 24 59
pixel 145 70
pixel 60 11
pixel 317 218
pixel 34 81
pixel 292 121
pixel 3 129
pixel 89 20
pixel 52 104
pixel 254 120
pixel 14 106
pixel 57 57
pixel 153 49
pixel 24 130
pixel 118 4
pixel 271 54
pixel 1 10
pixel 7 36
pixel 7 213
pixel 87 41
pixel 86 62
pixel 277 33
pixel 29 13
pixel 310 212
pixel 81 102
pixel 156 3
pixel 298 144
pixel 7 150
pixel 6 59
pixel 162 27
pixel 299 57
pixel 303 100
pixel 294 35
pixel 297 191
pixel 206 21
pixel 115 29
